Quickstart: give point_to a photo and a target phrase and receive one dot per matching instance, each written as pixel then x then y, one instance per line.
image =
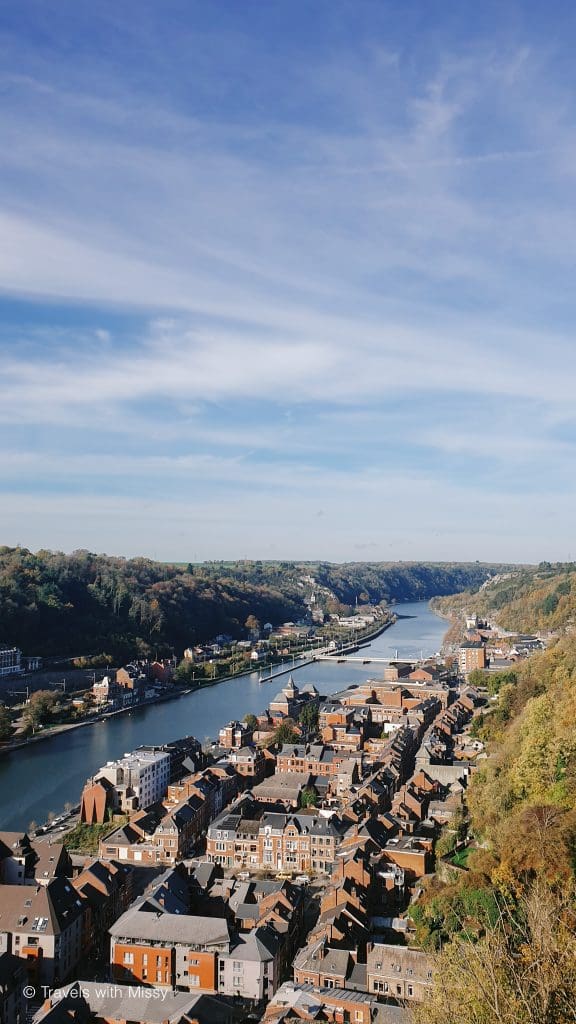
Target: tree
pixel 308 717
pixel 252 624
pixel 39 708
pixel 285 732
pixel 477 677
pixel 550 604
pixel 186 671
pixel 250 721
pixel 521 971
pixel 308 797
pixel 5 723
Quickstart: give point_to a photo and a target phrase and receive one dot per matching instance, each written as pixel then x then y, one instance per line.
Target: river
pixel 44 776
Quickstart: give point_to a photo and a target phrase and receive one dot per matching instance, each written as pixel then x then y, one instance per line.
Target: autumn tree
pixel 521 971
pixel 252 624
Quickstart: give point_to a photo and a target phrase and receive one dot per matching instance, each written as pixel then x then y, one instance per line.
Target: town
pixel 267 876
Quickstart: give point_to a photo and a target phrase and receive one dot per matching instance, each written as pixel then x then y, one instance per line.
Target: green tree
pixel 477 677
pixel 5 723
pixel 186 671
pixel 39 708
pixel 308 797
pixel 250 721
pixel 308 718
pixel 285 732
pixel 550 604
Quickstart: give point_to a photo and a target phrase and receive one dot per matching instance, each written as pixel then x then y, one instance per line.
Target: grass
pixel 84 838
pixel 460 859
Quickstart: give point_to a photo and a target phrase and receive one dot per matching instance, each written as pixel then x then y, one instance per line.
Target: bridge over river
pixel 43 776
pixel 358 659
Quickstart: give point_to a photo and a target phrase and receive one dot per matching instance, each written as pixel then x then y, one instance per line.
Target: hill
pixel 84 603
pixel 530 599
pixel 511 916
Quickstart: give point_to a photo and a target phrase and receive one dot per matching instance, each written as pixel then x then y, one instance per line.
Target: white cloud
pixel 407 254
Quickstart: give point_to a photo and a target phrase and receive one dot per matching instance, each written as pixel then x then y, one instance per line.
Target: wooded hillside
pixel 526 600
pixel 83 603
pixel 507 925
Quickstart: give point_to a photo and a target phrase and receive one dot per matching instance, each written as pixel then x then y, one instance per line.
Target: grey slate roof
pixel 57 903
pixel 188 928
pixel 260 944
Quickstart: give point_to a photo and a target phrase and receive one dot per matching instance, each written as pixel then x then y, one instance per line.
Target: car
pixel 283 875
pixel 243 876
pixel 302 879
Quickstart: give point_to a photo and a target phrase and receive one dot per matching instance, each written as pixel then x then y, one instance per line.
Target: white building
pixel 140 779
pixel 10 661
pixel 250 969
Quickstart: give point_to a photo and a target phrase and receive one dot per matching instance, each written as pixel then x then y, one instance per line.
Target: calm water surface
pixel 47 774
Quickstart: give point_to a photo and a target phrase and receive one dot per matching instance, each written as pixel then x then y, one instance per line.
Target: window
pixel 410 990
pixel 128 958
pixel 194 980
pixel 359 1015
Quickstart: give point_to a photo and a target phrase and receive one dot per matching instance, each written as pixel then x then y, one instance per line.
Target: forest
pixel 526 599
pixel 85 604
pixel 504 922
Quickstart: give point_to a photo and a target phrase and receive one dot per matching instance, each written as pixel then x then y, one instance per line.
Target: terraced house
pixel 275 842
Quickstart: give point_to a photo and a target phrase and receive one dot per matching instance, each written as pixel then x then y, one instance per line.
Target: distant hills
pixel 87 604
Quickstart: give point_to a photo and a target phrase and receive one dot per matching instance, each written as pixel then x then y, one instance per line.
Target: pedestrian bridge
pixel 358 659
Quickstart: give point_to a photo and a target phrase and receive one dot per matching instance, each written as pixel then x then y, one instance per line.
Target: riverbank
pixel 57 730
pixel 455 633
pixel 362 640
pixel 43 777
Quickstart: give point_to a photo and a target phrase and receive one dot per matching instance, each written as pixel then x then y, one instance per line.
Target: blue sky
pixel 288 279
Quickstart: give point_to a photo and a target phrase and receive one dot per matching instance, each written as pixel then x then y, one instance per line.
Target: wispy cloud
pixel 348 272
